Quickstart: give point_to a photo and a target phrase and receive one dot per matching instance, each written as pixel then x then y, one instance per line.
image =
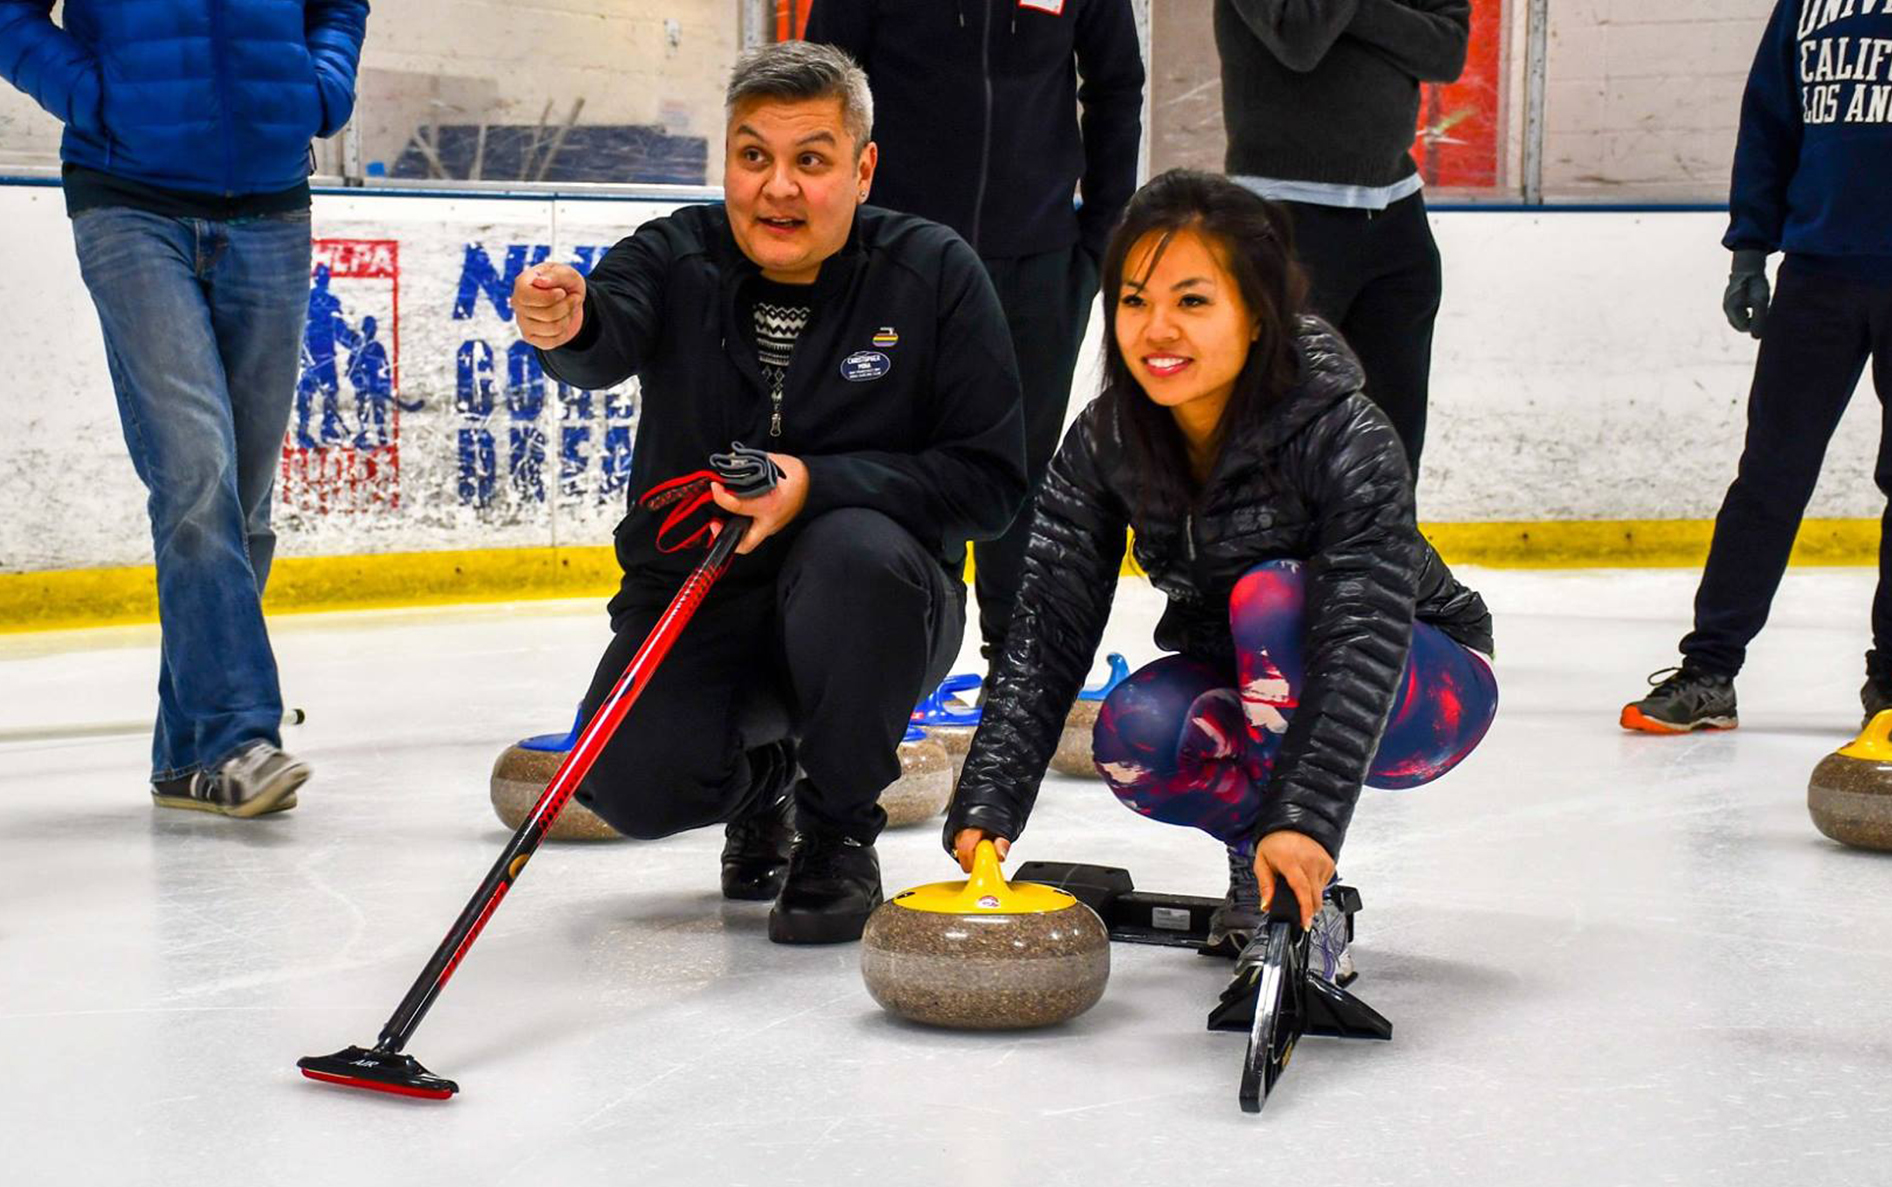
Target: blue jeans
pixel 203 323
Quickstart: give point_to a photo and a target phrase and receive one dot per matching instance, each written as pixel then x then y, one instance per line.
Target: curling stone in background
pixel 519 779
pixel 982 955
pixel 925 784
pixel 948 719
pixel 1850 794
pixel 1073 756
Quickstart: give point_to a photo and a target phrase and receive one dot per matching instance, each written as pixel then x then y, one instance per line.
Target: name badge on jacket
pixel 1054 7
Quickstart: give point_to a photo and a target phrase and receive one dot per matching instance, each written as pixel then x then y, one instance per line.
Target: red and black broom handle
pixel 591 741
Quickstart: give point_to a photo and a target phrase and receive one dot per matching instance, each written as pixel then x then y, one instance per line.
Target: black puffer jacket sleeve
pixel 1454 608
pixel 1071 565
pixel 1361 586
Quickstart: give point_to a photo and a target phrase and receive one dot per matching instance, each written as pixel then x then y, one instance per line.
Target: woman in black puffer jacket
pixel 1271 502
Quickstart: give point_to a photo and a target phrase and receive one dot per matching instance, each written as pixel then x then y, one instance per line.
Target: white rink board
pixel 1582 371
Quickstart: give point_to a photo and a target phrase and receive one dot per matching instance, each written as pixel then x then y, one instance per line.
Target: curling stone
pixel 1850 794
pixel 519 779
pixel 925 785
pixel 949 720
pixel 982 955
pixel 1073 756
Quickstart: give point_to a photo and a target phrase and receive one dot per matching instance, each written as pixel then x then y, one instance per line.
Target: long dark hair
pixel 1254 241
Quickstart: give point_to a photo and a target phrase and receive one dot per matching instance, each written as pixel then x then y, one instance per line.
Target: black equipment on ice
pixel 1272 996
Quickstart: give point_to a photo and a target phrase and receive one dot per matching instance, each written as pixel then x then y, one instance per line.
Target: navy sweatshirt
pixel 1813 163
pixel 976 111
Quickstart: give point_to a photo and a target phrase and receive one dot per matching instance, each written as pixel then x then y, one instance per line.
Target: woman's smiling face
pixel 1182 325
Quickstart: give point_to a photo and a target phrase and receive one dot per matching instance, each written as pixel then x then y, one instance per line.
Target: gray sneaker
pixel 1239 917
pixel 1329 954
pixel 1683 699
pixel 256 780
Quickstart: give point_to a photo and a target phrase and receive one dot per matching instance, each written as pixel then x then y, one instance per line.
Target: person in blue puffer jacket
pixel 186 165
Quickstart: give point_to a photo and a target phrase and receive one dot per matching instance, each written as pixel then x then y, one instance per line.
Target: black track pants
pixel 1820 331
pixel 1047 301
pixel 1375 276
pixel 858 624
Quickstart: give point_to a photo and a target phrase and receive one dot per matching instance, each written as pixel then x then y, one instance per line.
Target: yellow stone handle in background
pixel 1874 743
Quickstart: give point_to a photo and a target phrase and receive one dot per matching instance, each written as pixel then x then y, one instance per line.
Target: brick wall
pixel 1644 96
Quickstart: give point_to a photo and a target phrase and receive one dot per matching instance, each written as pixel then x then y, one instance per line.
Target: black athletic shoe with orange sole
pixel 1683 699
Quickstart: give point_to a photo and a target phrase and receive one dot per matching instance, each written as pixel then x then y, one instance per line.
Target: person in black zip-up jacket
pixel 990 116
pixel 865 350
pixel 1319 642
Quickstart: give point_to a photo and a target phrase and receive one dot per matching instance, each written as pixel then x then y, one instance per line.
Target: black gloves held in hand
pixel 1745 302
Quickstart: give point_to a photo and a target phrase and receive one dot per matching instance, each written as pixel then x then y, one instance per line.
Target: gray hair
pixel 795 70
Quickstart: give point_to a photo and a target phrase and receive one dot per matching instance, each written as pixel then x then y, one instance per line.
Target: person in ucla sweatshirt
pixel 1811 169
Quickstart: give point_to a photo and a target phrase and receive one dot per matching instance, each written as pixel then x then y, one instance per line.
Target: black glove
pixel 1745 302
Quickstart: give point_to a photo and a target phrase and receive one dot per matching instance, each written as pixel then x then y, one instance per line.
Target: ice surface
pixel 1609 959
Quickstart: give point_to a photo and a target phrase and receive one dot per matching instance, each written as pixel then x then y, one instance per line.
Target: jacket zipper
pixel 220 51
pixel 985 144
pixel 1189 535
pixel 775 398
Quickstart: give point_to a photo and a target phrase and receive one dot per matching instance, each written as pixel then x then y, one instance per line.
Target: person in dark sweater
pixel 1318 642
pixel 1812 162
pixel 1321 98
pixel 186 167
pixel 866 350
pixel 990 115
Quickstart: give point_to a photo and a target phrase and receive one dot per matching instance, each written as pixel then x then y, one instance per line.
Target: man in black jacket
pixel 1320 98
pixel 867 351
pixel 979 129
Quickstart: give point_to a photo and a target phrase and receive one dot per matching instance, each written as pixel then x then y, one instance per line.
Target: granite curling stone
pixel 1074 754
pixel 949 720
pixel 982 955
pixel 1850 794
pixel 519 779
pixel 925 785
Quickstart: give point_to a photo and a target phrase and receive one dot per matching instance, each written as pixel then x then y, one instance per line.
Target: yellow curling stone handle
pixel 985 893
pixel 1874 743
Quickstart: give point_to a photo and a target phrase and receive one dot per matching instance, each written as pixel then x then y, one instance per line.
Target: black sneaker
pixel 833 886
pixel 1875 698
pixel 755 851
pixel 1683 699
pixel 1875 695
pixel 253 782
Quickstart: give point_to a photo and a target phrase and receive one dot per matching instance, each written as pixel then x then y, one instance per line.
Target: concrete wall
pixel 1643 97
pixel 1583 373
pixel 1642 101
